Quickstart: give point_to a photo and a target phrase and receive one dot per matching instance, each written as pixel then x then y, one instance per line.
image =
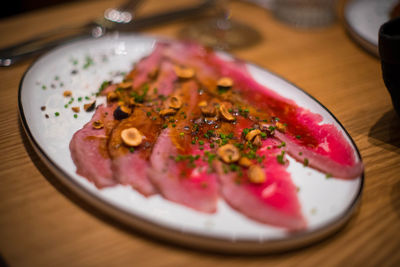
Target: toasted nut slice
pixel 184 73
pixel 245 162
pixel 67 93
pixel 112 96
pixel 131 137
pixel 175 102
pixel 211 120
pixel 265 127
pixel 208 111
pixel 122 112
pixel 228 153
pixel 125 85
pixel 76 109
pixel 131 102
pixel 89 106
pixel 280 127
pixel 225 113
pixel 98 124
pixel 268 128
pixel 257 141
pixel 153 73
pixel 252 134
pixel 167 112
pixel 202 103
pixel 256 174
pixel 225 83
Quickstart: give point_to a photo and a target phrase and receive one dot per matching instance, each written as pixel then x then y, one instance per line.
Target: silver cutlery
pixel 119 19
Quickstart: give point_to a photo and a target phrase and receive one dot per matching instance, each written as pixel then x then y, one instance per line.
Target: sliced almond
pixel 122 112
pixel 257 141
pixel 225 113
pixel 211 120
pixel 252 134
pixel 208 111
pixel 89 106
pixel 256 174
pixel 67 93
pixel 265 127
pixel 225 82
pixel 98 124
pixel 175 102
pixel 202 103
pixel 167 112
pixel 228 153
pixel 125 85
pixel 76 109
pixel 131 137
pixel 153 73
pixel 112 96
pixel 280 127
pixel 184 73
pixel 245 162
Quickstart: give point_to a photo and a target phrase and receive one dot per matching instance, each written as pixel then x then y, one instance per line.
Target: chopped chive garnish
pixel 89 61
pixel 164 126
pixel 280 159
pixel 75 116
pixel 57 114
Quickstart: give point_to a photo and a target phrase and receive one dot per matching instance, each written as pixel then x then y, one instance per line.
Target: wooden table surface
pixel 44 224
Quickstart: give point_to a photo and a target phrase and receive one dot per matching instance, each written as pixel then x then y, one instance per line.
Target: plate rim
pixel 195 240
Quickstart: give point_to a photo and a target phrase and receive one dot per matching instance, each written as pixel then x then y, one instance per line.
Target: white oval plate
pixel 326 203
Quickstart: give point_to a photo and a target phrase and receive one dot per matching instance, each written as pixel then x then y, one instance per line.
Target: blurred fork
pixel 120 19
pixel 14 53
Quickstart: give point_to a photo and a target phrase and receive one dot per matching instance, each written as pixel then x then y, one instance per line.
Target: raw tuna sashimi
pixel 89 148
pixel 322 145
pixel 130 164
pixel 178 169
pixel 274 201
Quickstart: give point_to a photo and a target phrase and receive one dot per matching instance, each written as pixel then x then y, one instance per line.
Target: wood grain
pixel 43 224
